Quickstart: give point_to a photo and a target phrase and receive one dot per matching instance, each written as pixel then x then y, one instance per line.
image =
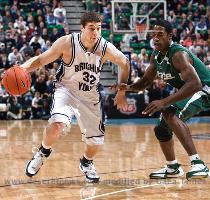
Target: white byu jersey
pixel 81 75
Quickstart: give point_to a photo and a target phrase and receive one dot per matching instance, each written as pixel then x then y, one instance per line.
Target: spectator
pixel 65 30
pixel 26 50
pixel 199 40
pixel 15 57
pixel 194 48
pixel 38 38
pixel 20 22
pixel 51 19
pixel 2 48
pixel 175 36
pixel 171 16
pixel 36 106
pixel 8 17
pixel 60 19
pixel 196 17
pixel 55 35
pixel 188 42
pixel 190 28
pixel 59 9
pixel 39 14
pixel 201 26
pixel 95 6
pixel 35 5
pixel 14 10
pixel 134 65
pixel 30 31
pixel 40 85
pixel 14 109
pixel 45 34
pixel 9 42
pixel 46 46
pixel 143 60
pixel 35 44
pixel 4 62
pixel 50 83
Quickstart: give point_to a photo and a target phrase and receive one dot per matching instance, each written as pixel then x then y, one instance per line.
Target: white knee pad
pixel 94 140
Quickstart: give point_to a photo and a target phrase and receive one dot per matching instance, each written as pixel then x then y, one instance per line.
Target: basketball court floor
pixel 130 153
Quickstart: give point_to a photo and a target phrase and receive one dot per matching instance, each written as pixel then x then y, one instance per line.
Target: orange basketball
pixel 16 80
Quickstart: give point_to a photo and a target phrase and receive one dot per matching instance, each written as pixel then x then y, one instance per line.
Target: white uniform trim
pixel 195 97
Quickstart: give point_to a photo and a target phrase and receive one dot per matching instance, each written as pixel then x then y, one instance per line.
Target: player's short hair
pixel 164 23
pixel 90 17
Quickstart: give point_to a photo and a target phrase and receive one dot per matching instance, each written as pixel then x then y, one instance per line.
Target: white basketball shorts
pixel 65 105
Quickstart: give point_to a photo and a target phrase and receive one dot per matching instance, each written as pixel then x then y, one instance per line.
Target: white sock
pixel 171 162
pixel 194 157
pixel 46 147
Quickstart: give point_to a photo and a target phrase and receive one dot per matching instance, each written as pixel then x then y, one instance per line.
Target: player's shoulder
pixel 63 41
pixel 66 37
pixel 110 46
pixel 177 49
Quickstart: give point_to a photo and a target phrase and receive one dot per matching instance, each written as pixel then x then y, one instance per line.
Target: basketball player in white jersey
pixel 76 92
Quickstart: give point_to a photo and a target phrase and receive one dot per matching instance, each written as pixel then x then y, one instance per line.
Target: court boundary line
pixel 119 191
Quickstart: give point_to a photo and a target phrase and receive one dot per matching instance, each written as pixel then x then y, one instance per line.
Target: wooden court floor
pixel 130 153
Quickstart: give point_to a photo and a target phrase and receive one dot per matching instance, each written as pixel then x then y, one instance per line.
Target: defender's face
pixel 161 38
pixel 92 31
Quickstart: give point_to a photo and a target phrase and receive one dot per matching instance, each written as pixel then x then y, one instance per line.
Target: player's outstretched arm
pixel 55 51
pixel 118 58
pixel 146 80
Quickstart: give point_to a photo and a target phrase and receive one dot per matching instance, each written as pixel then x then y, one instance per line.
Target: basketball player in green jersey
pixel 177 66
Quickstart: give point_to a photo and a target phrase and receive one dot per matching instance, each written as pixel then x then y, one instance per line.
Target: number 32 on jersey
pixel 89 79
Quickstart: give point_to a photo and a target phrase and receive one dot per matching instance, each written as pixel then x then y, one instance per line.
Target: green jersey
pixel 193 105
pixel 167 72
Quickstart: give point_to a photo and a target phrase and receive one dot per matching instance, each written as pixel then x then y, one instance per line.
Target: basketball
pixel 16 81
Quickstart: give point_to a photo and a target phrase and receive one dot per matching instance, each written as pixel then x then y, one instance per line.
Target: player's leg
pixel 87 165
pixel 165 137
pixel 185 110
pixel 197 103
pixel 181 130
pixel 91 150
pixel 93 136
pixel 11 115
pixel 60 119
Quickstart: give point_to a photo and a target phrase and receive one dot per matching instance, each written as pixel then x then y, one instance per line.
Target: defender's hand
pixel 117 87
pixel 153 107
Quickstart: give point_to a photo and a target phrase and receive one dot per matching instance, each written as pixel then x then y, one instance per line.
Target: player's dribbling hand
pixel 153 107
pixel 120 100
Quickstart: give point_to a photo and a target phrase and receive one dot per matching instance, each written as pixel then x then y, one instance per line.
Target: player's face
pixel 92 31
pixel 161 38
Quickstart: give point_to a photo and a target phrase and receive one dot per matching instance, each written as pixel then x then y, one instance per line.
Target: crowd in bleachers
pixel 28 28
